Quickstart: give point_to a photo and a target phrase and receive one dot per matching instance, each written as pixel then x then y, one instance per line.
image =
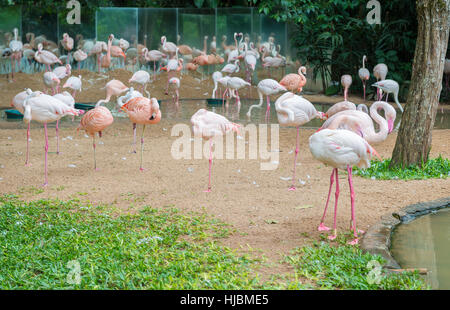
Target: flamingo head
pixel 322 116
pixel 163 40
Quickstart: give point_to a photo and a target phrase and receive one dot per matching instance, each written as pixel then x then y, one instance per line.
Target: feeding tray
pixel 214 101
pixel 84 106
pixel 13 114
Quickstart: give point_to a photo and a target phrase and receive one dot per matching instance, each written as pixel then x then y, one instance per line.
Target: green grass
pixel 437 168
pixel 347 267
pixel 155 249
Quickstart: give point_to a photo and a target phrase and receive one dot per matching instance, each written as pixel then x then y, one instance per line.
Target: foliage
pixel 433 168
pixel 347 267
pixel 332 36
pixel 153 249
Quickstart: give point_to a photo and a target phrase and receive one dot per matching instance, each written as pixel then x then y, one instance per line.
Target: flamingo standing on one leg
pixel 18 102
pixel 295 82
pixel 294 110
pixel 207 125
pixel 174 65
pixel 364 75
pixel 341 149
pixel 95 121
pixel 16 48
pixel 380 71
pixel 141 77
pixel 46 57
pixel 79 56
pixel 346 81
pixel 143 111
pixel 67 43
pixel 131 93
pixel 154 55
pixel 267 88
pixel 45 109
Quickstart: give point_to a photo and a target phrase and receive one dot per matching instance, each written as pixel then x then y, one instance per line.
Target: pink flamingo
pixel 74 83
pixel 346 81
pixel 51 81
pixel 339 107
pixel 267 88
pixel 44 109
pixel 294 110
pixel 18 102
pixel 97 49
pixel 341 149
pixel 16 47
pixel 176 84
pixel 113 88
pixel 153 55
pixel 45 57
pixel 174 65
pixel 207 125
pixel 95 121
pixel 105 60
pixel 143 111
pixel 67 43
pixel 63 71
pixel 141 77
pixel 364 75
pixel 361 123
pixel 233 85
pixel 79 56
pixel 168 47
pixel 380 71
pixel 295 82
pixel 231 68
pixel 131 93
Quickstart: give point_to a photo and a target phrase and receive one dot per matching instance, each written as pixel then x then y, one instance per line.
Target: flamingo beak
pixel 374 152
pixel 390 125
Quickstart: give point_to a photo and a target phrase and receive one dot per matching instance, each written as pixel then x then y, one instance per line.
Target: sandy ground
pixel 256 203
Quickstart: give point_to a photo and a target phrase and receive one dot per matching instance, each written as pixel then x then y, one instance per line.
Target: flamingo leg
pixel 352 200
pixel 46 152
pixel 57 137
pixel 210 165
pixel 27 161
pixel 336 197
pixel 13 66
pixel 134 138
pixel 322 227
pixel 364 87
pixel 94 146
pixel 268 109
pixel 292 188
pixel 142 147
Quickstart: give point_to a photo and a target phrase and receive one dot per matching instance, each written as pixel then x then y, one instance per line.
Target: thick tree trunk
pixel 414 137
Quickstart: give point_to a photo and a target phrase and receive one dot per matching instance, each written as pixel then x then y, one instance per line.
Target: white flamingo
pixel 267 88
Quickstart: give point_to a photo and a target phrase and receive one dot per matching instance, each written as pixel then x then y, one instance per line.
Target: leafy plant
pixel 347 267
pixel 433 168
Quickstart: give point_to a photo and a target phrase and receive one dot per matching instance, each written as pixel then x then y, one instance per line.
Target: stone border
pixel 377 239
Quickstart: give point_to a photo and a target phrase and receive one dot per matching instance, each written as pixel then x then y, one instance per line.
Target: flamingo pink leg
pixel 364 86
pixel 134 138
pixel 46 152
pixel 27 161
pixel 322 227
pixel 210 164
pixel 142 147
pixel 292 188
pixel 352 199
pixel 336 196
pixel 223 98
pixel 268 109
pixel 57 137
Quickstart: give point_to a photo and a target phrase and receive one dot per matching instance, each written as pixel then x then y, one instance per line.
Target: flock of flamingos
pixel 343 141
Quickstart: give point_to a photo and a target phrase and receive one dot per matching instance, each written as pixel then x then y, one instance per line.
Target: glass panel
pixel 154 23
pixel 122 22
pixel 10 18
pixel 194 25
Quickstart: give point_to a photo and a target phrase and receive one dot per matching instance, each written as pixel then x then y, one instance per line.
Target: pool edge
pixel 377 239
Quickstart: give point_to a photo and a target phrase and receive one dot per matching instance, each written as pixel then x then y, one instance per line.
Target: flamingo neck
pixel 381 121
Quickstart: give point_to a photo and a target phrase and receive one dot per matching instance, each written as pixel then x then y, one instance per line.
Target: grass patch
pixel 437 168
pixel 347 267
pixel 43 242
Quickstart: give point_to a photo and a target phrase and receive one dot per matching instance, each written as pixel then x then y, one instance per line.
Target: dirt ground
pixel 256 203
pixel 266 216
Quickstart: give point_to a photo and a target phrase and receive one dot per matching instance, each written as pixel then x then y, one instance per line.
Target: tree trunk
pixel 414 137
